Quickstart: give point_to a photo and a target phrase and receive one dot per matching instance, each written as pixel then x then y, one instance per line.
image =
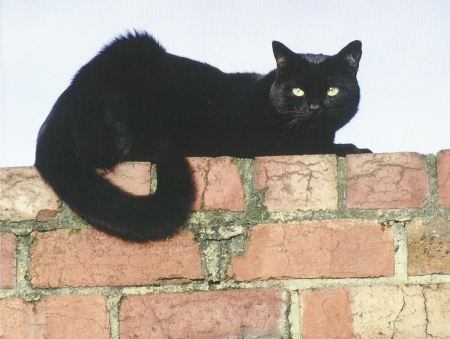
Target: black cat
pixel 136 102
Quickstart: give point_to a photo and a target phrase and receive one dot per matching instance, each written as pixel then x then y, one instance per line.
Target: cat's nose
pixel 314 106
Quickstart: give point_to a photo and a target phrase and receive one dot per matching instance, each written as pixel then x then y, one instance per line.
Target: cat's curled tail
pixel 106 206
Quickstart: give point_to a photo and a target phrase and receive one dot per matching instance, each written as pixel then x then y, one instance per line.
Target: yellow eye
pixel 298 92
pixel 332 91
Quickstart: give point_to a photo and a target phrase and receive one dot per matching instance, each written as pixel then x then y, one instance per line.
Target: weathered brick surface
pixel 382 312
pixel 132 177
pixel 329 248
pixel 388 312
pixel 429 246
pixel 395 180
pixel 325 314
pixel 218 184
pixel 7 260
pixel 24 194
pixel 402 312
pixel 298 182
pixel 438 310
pixel 443 175
pixel 253 313
pixel 77 316
pixel 92 258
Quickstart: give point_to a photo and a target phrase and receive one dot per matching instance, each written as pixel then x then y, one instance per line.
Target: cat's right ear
pixel 352 54
pixel 283 55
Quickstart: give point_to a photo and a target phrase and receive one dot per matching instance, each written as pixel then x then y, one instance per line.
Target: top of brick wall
pixel 291 183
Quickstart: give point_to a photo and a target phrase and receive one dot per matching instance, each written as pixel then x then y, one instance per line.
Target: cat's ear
pixel 283 55
pixel 351 54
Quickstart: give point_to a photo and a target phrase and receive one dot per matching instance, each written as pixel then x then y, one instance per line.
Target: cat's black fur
pixel 136 102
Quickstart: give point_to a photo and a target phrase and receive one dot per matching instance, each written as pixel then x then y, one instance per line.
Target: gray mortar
pixel 64 219
pixel 253 198
pixel 153 179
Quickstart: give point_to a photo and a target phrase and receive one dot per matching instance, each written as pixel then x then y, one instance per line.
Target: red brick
pixel 305 182
pixel 429 246
pixel 443 175
pixel 7 260
pixel 132 177
pixel 218 184
pixel 200 168
pixel 325 314
pixel 310 249
pixel 395 180
pixel 24 194
pixel 92 258
pixel 252 313
pixel 73 316
pixel 45 215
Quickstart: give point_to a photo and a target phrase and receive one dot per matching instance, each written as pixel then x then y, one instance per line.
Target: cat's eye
pixel 298 92
pixel 332 91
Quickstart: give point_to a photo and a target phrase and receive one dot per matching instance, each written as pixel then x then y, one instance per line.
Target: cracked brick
pixel 72 316
pixel 310 249
pixel 24 194
pixel 394 180
pixel 438 311
pixel 378 312
pixel 200 169
pixel 245 313
pixel 218 184
pixel 306 182
pixel 388 312
pixel 92 258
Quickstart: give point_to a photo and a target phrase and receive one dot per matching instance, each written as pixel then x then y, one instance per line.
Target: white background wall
pixel 404 72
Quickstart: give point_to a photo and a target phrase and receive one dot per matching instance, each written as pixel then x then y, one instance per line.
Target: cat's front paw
pixel 341 150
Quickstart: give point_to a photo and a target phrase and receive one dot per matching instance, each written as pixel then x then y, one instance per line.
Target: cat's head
pixel 316 88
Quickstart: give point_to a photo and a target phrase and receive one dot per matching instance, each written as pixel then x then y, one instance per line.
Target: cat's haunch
pixel 136 102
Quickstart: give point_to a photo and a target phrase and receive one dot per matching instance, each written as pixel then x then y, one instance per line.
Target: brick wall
pixel 281 247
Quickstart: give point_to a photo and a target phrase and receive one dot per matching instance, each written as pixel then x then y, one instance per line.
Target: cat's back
pixel 137 59
pixel 127 55
pixel 137 44
pixel 134 70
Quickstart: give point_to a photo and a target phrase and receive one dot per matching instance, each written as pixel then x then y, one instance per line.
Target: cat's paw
pixel 341 150
pixel 364 150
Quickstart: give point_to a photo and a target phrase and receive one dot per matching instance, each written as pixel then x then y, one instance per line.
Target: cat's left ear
pixel 283 55
pixel 352 54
